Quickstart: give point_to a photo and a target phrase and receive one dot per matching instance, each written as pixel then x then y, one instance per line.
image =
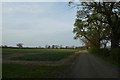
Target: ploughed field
pixel 35 63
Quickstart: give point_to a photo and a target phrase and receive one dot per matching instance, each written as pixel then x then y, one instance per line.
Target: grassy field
pixel 37 54
pixel 33 71
pixel 30 71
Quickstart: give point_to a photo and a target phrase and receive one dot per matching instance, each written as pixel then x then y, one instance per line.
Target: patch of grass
pixel 30 71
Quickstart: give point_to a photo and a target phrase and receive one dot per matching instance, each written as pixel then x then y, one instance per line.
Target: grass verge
pixel 111 56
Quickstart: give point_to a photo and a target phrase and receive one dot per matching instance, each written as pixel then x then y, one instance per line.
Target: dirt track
pixel 90 66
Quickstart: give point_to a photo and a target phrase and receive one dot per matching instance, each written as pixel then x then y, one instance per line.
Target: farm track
pixel 89 66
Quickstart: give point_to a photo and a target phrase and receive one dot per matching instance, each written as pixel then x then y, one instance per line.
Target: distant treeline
pixel 66 47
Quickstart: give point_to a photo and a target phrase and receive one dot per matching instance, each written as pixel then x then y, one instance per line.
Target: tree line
pixel 20 45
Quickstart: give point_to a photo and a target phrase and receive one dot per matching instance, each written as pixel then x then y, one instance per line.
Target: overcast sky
pixel 38 24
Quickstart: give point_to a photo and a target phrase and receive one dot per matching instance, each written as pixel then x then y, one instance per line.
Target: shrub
pixel 99 51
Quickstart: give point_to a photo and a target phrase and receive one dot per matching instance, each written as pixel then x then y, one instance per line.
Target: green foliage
pixel 99 51
pixel 98 21
pixel 90 29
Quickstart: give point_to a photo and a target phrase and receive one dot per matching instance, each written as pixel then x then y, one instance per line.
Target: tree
pixel 98 22
pixel 47 46
pixel 91 33
pixel 20 45
pixel 111 12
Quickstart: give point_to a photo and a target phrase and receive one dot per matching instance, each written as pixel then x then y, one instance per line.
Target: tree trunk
pixel 115 40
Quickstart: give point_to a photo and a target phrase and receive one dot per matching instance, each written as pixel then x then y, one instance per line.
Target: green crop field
pixel 37 54
pixel 16 70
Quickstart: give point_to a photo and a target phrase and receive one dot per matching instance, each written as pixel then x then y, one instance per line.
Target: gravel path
pixel 90 66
